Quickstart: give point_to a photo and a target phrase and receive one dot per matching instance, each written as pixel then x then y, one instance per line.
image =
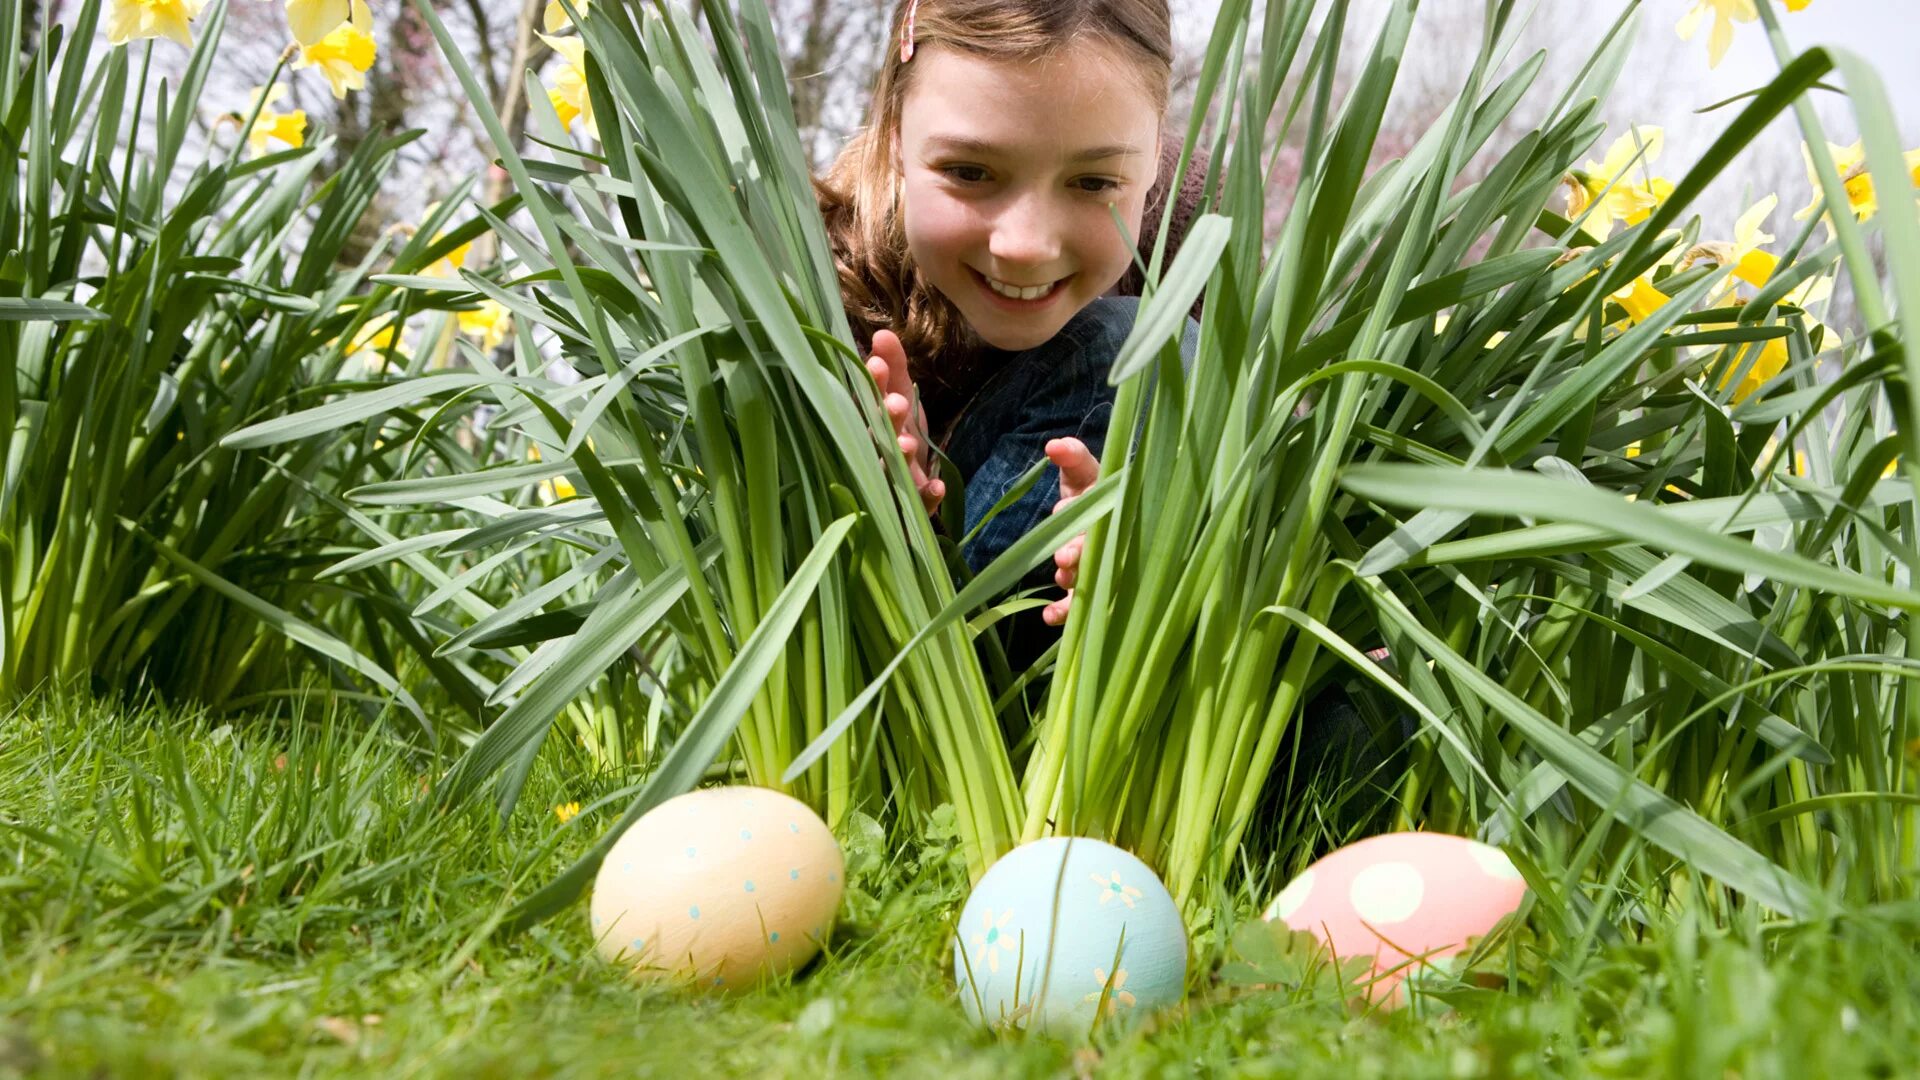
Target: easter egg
pixel 1404 900
pixel 1064 930
pixel 723 886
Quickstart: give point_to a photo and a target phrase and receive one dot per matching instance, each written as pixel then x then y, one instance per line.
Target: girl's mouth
pixel 1009 303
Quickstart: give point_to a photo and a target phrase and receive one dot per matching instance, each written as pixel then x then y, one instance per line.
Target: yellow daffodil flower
pixel 1771 361
pixel 1634 194
pixel 556 17
pixel 1639 299
pixel 569 90
pixel 1725 13
pixel 1633 451
pixel 1441 320
pixel 377 344
pixel 1750 262
pixel 1772 358
pixel 489 322
pixel 345 52
pixel 378 337
pixel 131 20
pixel 556 489
pixel 448 265
pixel 1796 461
pixel 289 128
pixel 1851 163
pixel 313 20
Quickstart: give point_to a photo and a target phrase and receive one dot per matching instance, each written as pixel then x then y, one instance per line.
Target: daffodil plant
pixel 1483 452
pixel 151 302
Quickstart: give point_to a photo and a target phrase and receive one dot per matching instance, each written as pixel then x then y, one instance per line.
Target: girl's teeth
pixel 1012 292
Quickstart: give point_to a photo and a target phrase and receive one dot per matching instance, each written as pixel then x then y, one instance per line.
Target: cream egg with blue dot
pixel 687 892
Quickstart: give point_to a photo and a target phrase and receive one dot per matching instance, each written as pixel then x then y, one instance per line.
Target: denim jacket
pixel 1047 392
pixel 1058 389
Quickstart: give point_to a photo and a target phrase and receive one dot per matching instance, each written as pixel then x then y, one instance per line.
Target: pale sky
pixel 1665 80
pixel 1674 75
pixel 1886 32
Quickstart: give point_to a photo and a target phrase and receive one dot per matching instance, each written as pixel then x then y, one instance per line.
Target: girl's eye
pixel 966 174
pixel 1097 185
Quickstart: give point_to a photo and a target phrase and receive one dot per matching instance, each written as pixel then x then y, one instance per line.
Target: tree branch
pixel 483 30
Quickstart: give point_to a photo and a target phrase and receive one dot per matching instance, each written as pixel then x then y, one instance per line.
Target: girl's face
pixel 1009 168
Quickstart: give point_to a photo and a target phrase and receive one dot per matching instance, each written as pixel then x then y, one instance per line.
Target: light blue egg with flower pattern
pixel 1066 929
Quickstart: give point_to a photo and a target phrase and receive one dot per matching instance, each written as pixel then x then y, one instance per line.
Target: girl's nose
pixel 1026 233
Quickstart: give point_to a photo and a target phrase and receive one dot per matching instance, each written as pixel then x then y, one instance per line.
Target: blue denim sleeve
pixel 1048 392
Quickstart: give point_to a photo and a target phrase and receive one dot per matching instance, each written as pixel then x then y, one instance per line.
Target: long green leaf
pixel 1512 494
pixel 706 734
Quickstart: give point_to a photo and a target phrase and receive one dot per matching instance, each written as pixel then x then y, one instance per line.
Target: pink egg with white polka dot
pixel 1403 899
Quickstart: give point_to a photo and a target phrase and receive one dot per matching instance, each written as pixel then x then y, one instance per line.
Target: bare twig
pixel 511 102
pixel 483 31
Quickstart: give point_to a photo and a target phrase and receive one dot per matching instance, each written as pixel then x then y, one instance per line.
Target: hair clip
pixel 906 34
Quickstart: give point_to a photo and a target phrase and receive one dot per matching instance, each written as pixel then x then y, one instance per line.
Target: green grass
pixel 135 940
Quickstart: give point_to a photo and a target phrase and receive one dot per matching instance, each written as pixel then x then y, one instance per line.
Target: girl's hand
pixel 888 366
pixel 1078 471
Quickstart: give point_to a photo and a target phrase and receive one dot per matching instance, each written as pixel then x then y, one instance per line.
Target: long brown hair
pixel 859 196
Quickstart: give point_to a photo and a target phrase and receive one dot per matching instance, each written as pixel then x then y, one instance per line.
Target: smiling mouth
pixel 1017 295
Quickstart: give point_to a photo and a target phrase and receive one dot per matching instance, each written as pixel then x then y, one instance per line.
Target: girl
pixel 972 223
pixel 973 227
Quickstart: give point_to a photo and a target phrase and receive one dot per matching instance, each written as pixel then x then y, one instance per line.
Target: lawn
pixel 360 587
pixel 188 896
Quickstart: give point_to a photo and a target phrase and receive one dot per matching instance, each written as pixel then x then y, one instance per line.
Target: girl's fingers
pixel 895 378
pixel 1067 562
pixel 919 458
pixel 1069 553
pixel 931 488
pixel 1056 613
pixel 888 367
pixel 1067 559
pixel 886 346
pixel 1079 469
